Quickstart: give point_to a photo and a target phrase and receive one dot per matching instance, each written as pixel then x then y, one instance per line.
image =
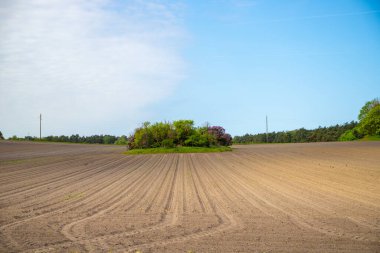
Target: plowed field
pixel 322 197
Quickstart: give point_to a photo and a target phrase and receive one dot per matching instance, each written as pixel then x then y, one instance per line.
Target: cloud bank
pixel 88 66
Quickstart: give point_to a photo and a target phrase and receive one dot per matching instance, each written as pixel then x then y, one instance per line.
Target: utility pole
pixel 40 124
pixel 266 121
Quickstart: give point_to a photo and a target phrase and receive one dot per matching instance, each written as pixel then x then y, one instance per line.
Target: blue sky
pixel 303 63
pixel 230 63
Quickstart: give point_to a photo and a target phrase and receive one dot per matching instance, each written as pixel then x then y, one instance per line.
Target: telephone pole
pixel 40 124
pixel 266 121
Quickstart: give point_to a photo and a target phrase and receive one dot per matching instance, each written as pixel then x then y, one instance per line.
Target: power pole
pixel 266 121
pixel 40 124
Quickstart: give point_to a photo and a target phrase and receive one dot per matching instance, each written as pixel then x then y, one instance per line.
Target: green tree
pixel 109 139
pixel 14 138
pixel 183 129
pixel 199 138
pixel 367 107
pixel 370 124
pixel 74 138
pixel 122 140
pixel 1 136
pixel 160 132
pixel 143 137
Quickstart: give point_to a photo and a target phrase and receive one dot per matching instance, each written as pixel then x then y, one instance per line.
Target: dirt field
pixel 322 197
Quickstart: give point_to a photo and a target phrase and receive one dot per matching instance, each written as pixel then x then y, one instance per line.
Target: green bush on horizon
pixel 168 143
pixel 122 140
pixel 177 133
pixel 348 136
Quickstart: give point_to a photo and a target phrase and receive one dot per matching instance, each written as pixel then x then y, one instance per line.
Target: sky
pixel 106 66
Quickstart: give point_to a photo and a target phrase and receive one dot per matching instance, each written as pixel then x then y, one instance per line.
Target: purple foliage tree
pixel 222 138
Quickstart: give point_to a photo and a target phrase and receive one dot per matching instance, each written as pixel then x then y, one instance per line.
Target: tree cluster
pixel 319 134
pixel 178 133
pixel 369 122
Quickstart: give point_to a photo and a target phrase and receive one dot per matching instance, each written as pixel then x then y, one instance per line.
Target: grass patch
pixel 75 195
pixel 371 138
pixel 177 150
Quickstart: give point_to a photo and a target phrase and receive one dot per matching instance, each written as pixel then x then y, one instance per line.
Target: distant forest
pixel 76 138
pixel 331 133
pixel 368 126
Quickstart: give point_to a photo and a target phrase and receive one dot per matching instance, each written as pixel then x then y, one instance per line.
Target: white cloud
pixel 85 65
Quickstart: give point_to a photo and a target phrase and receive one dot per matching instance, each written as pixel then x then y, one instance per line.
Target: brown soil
pixel 322 197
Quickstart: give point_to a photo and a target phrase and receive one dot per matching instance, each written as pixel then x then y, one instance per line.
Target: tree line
pixel 178 133
pixel 184 133
pixel 368 125
pixel 319 134
pixel 76 138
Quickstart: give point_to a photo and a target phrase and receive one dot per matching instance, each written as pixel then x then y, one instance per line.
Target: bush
pixel 167 143
pixel 143 137
pixel 226 140
pixel 220 135
pixel 357 133
pixel 13 138
pixel 198 140
pixel 122 140
pixel 183 129
pixel 178 133
pixel 348 136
